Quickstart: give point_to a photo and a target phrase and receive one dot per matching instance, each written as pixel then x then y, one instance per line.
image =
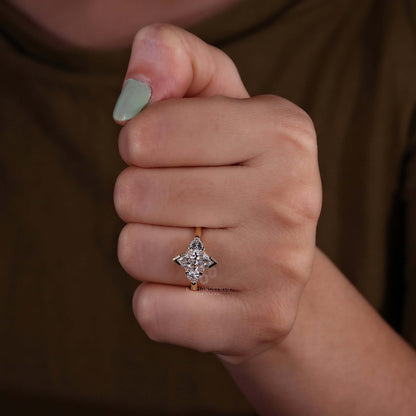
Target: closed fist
pixel 203 153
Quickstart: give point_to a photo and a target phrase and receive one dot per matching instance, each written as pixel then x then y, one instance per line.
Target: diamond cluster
pixel 195 261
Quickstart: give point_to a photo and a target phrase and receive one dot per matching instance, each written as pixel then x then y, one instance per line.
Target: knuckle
pixel 293 266
pixel 304 205
pixel 273 314
pixel 124 247
pixel 167 39
pixel 285 315
pixel 130 183
pixel 129 251
pixel 156 32
pixel 145 311
pixel 301 124
pixel 288 257
pixel 276 319
pixel 288 121
pixel 288 213
pixel 122 191
pixel 294 202
pixel 129 143
pixel 139 139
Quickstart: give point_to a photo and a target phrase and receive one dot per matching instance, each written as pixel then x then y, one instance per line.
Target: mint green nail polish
pixel 134 96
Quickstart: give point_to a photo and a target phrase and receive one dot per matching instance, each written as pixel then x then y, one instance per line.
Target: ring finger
pixel 146 252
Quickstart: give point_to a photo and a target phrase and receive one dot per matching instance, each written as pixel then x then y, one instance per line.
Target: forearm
pixel 340 358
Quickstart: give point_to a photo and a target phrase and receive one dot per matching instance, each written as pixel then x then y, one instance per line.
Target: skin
pixel 109 24
pixel 295 335
pixel 222 183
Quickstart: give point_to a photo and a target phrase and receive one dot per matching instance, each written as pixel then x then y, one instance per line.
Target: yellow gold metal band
pixel 198 232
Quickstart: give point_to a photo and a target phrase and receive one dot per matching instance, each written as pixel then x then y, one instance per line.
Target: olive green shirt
pixel 69 341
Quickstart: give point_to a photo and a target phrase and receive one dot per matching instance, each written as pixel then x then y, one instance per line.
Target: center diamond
pixel 195 261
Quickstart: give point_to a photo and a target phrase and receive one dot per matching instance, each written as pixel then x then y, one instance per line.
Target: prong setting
pixel 195 260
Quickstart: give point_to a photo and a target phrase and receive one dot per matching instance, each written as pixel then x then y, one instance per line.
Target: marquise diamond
pixel 195 260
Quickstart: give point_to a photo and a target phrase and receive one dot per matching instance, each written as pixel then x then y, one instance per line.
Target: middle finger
pixel 213 197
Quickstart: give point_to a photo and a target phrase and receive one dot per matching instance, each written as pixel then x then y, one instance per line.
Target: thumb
pixel 169 62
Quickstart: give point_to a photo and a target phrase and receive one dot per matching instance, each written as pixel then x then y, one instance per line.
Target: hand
pixel 245 169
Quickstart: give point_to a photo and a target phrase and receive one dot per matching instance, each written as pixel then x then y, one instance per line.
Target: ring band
pixel 195 260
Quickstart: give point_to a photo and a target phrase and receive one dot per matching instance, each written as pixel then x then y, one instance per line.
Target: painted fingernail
pixel 134 96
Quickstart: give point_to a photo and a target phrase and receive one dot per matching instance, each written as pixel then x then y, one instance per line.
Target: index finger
pixel 203 131
pixel 192 132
